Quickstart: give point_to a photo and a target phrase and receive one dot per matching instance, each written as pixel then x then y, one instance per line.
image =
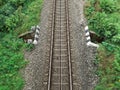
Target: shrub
pixel 108 6
pixel 15 14
pixel 103 25
pixel 104 18
pixel 11 61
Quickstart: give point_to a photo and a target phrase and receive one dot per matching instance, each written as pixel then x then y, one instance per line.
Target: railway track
pixel 60 67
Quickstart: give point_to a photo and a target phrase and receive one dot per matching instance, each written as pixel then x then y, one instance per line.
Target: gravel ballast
pixel 34 71
pixel 82 56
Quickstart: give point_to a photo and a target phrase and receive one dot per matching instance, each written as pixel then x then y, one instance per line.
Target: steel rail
pixel 68 39
pixel 68 45
pixel 51 44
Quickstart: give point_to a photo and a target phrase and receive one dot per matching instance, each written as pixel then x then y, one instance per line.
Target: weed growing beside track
pixel 16 16
pixel 104 18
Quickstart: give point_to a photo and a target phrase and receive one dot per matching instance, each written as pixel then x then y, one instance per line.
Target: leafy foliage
pixel 16 16
pixel 104 24
pixel 8 11
pixel 108 6
pixel 104 18
pixel 11 61
pixel 14 20
pixel 16 13
pixel 31 15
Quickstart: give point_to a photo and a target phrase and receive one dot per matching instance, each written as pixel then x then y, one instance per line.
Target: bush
pixel 8 13
pixel 11 61
pixel 14 20
pixel 108 6
pixel 31 17
pixel 103 25
pixel 16 17
pixel 104 18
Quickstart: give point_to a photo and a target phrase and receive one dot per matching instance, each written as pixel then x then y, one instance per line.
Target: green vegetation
pixel 104 18
pixel 11 61
pixel 31 15
pixel 16 17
